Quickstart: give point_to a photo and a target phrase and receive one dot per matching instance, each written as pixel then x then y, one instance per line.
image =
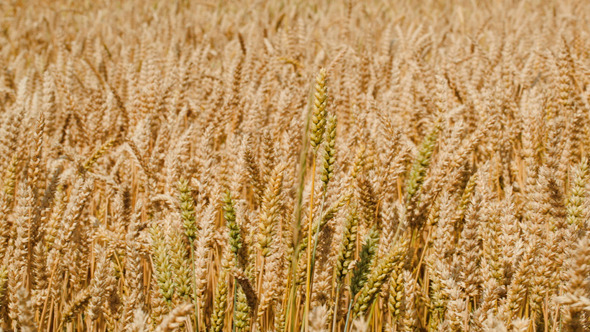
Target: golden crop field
pixel 294 165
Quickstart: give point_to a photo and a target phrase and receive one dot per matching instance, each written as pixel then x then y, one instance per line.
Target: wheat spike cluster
pixel 294 165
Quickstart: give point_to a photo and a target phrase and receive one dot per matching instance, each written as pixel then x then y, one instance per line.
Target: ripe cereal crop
pixel 294 165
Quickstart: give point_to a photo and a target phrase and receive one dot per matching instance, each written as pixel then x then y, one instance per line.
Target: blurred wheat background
pixel 294 165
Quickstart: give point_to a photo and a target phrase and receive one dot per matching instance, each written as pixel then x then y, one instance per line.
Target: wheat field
pixel 294 165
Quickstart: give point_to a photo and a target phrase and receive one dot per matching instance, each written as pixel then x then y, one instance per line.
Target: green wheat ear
pixel 229 213
pixel 178 258
pixel 361 270
pixel 347 247
pixel 162 265
pixel 187 209
pixel 421 163
pixel 318 117
pixel 329 151
pixel 377 277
